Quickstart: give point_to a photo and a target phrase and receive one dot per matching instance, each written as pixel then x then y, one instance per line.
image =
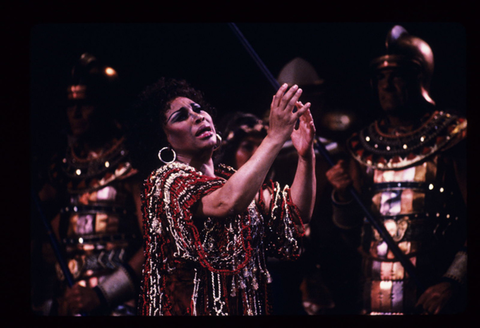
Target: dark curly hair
pixel 237 126
pixel 147 133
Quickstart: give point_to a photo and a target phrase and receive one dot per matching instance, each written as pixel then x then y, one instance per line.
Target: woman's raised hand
pixel 303 137
pixel 282 114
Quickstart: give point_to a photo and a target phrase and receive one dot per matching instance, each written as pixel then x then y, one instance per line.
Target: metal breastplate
pixel 416 204
pixel 99 225
pixel 405 201
pixel 100 230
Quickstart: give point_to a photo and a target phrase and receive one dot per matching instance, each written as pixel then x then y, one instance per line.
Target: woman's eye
pixel 196 108
pixel 180 116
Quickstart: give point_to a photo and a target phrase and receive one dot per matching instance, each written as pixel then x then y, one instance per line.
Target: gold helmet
pixel 407 51
pixel 91 80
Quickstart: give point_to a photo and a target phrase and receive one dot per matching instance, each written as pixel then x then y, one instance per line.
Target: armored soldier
pixel 99 221
pixel 409 165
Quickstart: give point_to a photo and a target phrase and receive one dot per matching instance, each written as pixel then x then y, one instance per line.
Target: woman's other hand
pixel 303 137
pixel 282 115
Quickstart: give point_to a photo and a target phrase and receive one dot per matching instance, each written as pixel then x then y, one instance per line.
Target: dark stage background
pixel 210 56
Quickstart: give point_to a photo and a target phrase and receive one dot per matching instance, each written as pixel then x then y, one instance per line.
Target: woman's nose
pixel 197 117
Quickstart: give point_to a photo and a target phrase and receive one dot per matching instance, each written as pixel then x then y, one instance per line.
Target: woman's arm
pixel 304 185
pixel 241 187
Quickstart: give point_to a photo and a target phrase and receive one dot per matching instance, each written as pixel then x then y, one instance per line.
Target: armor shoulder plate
pixel 374 148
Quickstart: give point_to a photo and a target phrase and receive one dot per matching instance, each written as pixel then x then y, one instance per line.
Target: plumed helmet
pixel 92 81
pixel 407 51
pixel 299 71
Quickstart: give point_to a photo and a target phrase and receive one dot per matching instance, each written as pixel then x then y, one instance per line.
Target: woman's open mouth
pixel 204 132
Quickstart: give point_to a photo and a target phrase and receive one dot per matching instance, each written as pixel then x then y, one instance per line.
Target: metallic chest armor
pixel 412 194
pixel 99 228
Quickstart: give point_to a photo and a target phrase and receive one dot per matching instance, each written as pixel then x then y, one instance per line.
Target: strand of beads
pixel 217 299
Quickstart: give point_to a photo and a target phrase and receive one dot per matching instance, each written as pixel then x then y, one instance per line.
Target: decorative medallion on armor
pixel 376 148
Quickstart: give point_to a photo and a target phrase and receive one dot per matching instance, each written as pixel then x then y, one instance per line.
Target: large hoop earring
pixel 173 152
pixel 219 142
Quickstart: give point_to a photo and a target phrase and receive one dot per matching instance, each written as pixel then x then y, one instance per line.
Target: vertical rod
pixel 406 263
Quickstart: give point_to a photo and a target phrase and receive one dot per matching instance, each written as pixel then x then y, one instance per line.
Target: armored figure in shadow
pixel 96 191
pixel 409 165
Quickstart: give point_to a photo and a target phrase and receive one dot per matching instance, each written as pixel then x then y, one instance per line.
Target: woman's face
pixel 246 149
pixel 189 128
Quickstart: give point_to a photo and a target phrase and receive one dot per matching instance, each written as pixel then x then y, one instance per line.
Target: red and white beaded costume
pixel 210 266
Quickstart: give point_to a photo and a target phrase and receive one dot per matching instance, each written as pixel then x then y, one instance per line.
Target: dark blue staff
pixel 408 266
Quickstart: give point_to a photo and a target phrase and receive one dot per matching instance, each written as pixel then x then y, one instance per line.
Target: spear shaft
pixel 406 263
